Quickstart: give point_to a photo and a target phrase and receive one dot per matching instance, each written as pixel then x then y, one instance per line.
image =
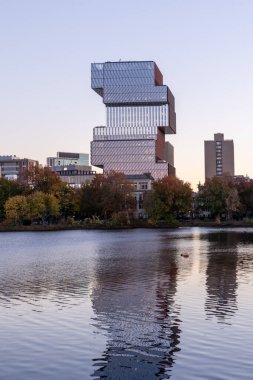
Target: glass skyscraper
pixel 140 111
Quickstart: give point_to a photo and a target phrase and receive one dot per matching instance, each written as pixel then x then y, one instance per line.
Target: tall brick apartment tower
pixel 219 156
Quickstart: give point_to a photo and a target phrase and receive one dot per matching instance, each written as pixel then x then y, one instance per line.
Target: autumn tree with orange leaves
pixel 107 194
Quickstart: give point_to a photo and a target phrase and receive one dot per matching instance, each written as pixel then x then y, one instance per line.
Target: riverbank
pixel 108 226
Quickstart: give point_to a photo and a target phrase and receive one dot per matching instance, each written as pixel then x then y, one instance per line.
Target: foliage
pixel 248 221
pixel 107 194
pixel 245 192
pixel 8 189
pixel 17 209
pixel 42 179
pixel 37 206
pixel 218 196
pixel 170 197
pixel 90 203
pixel 154 206
pixel 116 194
pixel 52 207
pixel 120 218
pixel 69 200
pixel 110 196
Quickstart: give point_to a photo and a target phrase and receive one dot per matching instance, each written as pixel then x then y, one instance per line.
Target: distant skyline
pixel 203 48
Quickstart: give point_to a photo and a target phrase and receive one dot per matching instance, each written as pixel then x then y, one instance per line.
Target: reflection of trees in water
pixel 32 282
pixel 221 275
pixel 134 305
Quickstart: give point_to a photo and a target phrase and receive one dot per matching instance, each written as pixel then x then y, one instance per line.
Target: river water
pixel 127 305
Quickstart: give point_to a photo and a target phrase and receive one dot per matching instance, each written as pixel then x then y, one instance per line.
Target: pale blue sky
pixel 203 48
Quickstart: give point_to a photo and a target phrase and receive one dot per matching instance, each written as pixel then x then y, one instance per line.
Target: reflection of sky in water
pixel 126 304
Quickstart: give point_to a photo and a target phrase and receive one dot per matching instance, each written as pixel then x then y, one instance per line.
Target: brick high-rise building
pixel 219 157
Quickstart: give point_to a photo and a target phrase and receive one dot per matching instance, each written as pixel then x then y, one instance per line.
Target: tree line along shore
pixel 41 201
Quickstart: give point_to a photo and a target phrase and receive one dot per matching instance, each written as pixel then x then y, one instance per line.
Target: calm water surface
pixel 126 305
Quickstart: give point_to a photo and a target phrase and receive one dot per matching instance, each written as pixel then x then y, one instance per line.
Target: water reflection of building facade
pixel 139 318
pixel 221 276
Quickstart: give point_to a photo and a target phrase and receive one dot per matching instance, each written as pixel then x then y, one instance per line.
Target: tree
pixel 106 195
pixel 69 200
pixel 17 209
pixel 52 208
pixel 8 189
pixel 154 206
pixel 116 193
pixel 90 202
pixel 36 206
pixel 43 179
pixel 170 198
pixel 245 191
pixel 218 196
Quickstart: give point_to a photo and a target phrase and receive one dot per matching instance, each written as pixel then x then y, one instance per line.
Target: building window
pixel 143 186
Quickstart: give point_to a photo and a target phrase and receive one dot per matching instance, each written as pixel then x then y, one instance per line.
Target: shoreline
pixel 65 227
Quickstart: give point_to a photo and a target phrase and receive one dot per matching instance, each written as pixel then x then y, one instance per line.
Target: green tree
pixel 90 200
pixel 170 198
pixel 218 196
pixel 36 204
pixel 154 206
pixel 69 200
pixel 52 208
pixel 8 189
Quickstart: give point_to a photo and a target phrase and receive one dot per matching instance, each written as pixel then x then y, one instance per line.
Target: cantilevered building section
pixel 140 111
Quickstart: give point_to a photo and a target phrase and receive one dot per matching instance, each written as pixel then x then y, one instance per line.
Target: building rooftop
pixel 140 176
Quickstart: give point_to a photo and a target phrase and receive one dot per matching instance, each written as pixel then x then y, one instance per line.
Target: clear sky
pixel 204 48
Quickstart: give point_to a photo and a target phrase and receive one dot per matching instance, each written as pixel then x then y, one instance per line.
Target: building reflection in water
pixel 221 275
pixel 134 304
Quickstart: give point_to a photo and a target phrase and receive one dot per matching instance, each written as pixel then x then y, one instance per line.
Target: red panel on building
pixel 158 77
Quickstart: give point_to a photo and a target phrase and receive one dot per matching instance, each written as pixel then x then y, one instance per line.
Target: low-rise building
pixel 73 168
pixel 68 158
pixel 142 183
pixel 74 175
pixel 12 167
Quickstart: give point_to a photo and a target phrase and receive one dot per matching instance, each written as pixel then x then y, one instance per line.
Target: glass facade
pixel 139 112
pixel 138 116
pixel 135 94
pixel 124 133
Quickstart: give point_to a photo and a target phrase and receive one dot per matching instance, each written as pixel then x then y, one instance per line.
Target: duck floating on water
pixel 185 254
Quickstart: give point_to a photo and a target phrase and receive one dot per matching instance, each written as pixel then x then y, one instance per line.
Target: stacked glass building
pixel 140 111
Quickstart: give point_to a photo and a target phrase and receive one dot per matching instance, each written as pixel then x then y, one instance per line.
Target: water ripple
pixel 126 305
